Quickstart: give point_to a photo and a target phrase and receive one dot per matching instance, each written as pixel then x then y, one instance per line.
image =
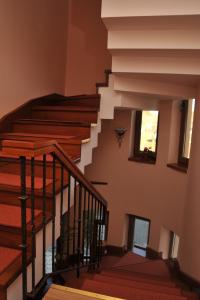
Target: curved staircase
pixel 67 120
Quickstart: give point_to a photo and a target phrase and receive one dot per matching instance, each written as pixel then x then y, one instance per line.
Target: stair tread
pixel 65 108
pixel 14 180
pixel 11 215
pixel 39 135
pixel 154 267
pixel 138 277
pixel 127 292
pixel 7 257
pixel 53 122
pixel 138 285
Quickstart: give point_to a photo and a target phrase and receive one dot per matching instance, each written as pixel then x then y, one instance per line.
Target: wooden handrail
pixel 35 149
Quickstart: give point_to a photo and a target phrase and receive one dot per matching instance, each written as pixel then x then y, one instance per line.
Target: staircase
pixel 155 51
pixel 130 277
pixel 43 146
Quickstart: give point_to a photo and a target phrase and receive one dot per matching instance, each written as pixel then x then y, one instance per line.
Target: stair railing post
pixel 23 199
pixel 33 232
pixel 53 212
pixel 79 230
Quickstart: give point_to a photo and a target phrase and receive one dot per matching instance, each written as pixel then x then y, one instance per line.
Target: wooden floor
pixel 57 292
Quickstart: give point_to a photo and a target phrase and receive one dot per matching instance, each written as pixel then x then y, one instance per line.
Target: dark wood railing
pixel 81 222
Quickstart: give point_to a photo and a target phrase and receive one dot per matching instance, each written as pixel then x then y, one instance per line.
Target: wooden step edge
pixel 71 140
pixel 74 292
pixel 85 141
pixel 52 122
pixel 81 97
pixel 69 108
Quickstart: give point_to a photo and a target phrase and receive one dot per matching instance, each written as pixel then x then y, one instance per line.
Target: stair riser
pixel 90 117
pixel 82 132
pixel 95 103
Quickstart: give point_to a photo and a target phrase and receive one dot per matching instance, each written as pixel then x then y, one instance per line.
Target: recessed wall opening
pixel 169 243
pixel 138 234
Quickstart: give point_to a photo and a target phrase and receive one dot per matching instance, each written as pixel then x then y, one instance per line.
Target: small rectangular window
pixel 146 135
pixel 187 117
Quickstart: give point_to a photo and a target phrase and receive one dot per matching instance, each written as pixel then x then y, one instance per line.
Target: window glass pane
pixel 188 128
pixel 141 231
pixel 149 130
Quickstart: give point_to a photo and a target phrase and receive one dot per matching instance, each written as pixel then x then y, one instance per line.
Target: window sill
pixel 177 167
pixel 142 160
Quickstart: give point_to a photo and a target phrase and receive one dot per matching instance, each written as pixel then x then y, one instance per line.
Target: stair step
pixel 138 277
pixel 79 129
pixel 14 180
pixel 65 113
pixel 138 285
pixel 71 139
pixel 130 259
pixel 7 257
pixel 70 108
pixel 80 100
pixel 155 267
pixel 128 293
pixel 11 215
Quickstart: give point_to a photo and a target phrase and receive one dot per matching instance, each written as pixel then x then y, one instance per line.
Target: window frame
pixel 183 161
pixel 138 155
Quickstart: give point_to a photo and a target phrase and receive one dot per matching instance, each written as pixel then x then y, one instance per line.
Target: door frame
pixel 131 228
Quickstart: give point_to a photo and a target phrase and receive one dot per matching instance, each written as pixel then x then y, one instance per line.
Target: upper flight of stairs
pixel 70 122
pixel 130 277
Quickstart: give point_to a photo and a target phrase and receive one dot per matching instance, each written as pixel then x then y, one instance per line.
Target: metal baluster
pixel 91 230
pixel 44 216
pixel 87 227
pixel 61 212
pixel 94 236
pixel 68 214
pixel 53 212
pixel 33 233
pixel 83 227
pixel 23 245
pixel 74 221
pixel 79 229
pixel 99 233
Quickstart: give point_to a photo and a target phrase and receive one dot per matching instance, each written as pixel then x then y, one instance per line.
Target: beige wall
pixel 127 8
pixel 152 191
pixel 32 50
pixel 189 247
pixel 87 55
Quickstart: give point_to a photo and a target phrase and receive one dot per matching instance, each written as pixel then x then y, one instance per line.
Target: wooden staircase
pixel 143 281
pixel 66 120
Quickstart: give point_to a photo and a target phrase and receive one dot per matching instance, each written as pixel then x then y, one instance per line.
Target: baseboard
pixel 153 254
pixel 115 250
pixel 192 283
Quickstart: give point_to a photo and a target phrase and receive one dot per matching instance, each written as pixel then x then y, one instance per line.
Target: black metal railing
pixel 72 209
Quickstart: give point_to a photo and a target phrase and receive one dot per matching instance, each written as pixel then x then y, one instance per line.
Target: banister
pixel 35 149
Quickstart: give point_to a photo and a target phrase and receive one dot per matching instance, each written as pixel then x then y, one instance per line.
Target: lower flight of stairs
pixel 132 277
